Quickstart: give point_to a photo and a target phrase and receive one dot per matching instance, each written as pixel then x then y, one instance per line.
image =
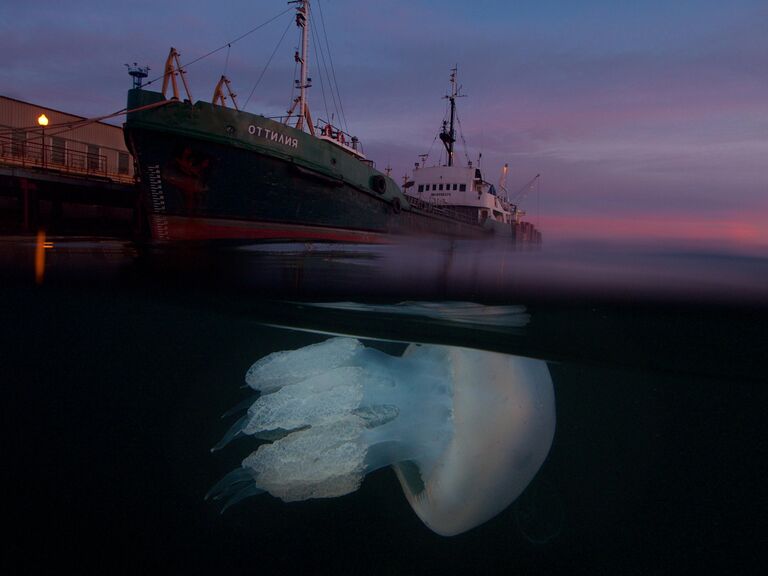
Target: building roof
pixel 41 107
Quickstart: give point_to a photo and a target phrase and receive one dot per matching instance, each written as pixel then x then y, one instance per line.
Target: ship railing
pixel 27 153
pixel 325 128
pixel 441 209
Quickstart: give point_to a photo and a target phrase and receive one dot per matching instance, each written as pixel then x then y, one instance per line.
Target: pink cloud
pixel 742 231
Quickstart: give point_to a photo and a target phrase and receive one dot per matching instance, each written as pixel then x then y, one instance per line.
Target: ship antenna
pixel 303 114
pixel 448 135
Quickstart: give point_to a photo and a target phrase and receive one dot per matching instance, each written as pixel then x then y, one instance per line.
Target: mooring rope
pixel 55 129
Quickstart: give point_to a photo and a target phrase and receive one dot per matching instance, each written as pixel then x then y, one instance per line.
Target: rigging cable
pixel 430 149
pixel 226 61
pixel 463 140
pixel 429 152
pixel 320 73
pixel 68 126
pixel 55 129
pixel 251 31
pixel 264 70
pixel 538 203
pixel 328 75
pixel 333 71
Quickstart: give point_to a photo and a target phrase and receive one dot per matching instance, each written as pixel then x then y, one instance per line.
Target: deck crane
pixel 520 195
pixel 503 181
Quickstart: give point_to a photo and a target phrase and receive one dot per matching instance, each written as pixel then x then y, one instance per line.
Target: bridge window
pixel 462 187
pixel 440 187
pixel 122 163
pixel 455 186
pixel 421 187
pixel 434 186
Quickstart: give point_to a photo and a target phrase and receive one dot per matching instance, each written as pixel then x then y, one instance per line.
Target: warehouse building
pixel 41 137
pixel 64 173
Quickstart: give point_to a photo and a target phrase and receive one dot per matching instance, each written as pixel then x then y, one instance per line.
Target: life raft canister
pixel 378 184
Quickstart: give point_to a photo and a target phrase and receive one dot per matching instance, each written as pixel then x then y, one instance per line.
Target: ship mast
pixel 448 135
pixel 304 82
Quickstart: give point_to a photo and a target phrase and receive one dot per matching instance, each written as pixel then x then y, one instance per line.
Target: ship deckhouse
pixel 460 188
pixel 463 189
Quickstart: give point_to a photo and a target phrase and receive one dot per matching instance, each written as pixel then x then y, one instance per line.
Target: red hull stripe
pixel 183 228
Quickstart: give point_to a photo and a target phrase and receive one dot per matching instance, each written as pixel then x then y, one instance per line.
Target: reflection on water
pixel 464 312
pixel 116 364
pixel 420 270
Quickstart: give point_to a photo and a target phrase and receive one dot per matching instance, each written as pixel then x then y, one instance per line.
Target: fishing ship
pixel 213 172
pixel 462 192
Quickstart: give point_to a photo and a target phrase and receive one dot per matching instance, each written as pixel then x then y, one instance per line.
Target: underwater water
pixel 118 362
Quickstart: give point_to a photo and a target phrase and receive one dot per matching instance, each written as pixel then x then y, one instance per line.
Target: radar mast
pixel 448 134
pixel 303 115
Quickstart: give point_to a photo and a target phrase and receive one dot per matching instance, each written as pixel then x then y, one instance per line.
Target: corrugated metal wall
pixel 17 114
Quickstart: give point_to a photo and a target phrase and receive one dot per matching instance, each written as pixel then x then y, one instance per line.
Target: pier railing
pixel 30 154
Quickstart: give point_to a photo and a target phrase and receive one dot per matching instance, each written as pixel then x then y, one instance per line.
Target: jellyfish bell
pixel 465 430
pixel 504 423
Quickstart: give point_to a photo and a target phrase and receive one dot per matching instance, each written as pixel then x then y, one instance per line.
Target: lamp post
pixel 42 121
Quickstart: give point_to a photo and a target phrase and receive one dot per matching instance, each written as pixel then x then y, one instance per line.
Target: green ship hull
pixel 210 172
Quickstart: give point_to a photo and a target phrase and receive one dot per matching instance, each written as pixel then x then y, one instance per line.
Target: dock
pixel 58 170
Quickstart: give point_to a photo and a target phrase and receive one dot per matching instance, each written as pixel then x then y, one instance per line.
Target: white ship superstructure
pixel 460 189
pixel 463 189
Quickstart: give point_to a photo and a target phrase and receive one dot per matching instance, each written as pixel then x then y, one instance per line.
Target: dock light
pixel 42 120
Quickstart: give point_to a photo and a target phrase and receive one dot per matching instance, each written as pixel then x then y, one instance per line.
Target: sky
pixel 641 117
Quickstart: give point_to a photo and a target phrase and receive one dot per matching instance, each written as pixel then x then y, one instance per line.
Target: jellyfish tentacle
pixel 246 492
pixel 235 430
pixel 225 486
pixel 241 406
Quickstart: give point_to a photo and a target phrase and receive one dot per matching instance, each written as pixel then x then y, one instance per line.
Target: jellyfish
pixel 465 430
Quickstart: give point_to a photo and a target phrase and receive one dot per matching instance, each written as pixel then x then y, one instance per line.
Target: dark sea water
pixel 118 362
